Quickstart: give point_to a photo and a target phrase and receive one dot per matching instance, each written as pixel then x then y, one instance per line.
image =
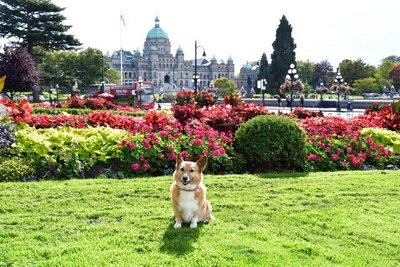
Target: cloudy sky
pixel 322 30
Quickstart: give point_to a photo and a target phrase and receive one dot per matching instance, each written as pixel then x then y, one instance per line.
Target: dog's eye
pixel 191 170
pixel 182 169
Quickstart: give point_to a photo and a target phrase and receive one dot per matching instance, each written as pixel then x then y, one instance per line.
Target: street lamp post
pixel 57 87
pixel 292 76
pixel 338 80
pixel 140 81
pixel 196 77
pixel 102 76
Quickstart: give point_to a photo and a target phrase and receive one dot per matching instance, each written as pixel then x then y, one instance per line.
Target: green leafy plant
pixel 14 169
pixel 389 139
pixel 271 142
pixel 72 151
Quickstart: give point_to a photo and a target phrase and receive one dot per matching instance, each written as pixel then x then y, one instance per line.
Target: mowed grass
pixel 316 219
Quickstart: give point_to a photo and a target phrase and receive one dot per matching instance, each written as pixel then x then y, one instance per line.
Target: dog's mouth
pixel 186 182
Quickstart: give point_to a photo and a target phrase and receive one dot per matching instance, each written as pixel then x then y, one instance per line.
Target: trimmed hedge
pixel 271 142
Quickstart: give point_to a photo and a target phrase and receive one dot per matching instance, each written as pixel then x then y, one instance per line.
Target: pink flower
pixel 312 157
pixel 354 161
pixel 216 153
pixel 135 166
pixel 146 166
pixel 335 157
pixel 198 142
pixel 132 145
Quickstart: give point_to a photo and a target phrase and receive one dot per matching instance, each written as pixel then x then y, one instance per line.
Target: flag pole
pixel 120 44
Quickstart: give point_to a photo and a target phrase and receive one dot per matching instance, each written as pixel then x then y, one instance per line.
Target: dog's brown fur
pixel 189 196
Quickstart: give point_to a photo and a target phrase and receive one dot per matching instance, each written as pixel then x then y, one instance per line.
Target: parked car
pixel 370 95
pixel 41 98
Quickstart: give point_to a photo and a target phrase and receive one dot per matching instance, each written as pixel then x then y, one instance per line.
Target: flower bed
pixel 333 143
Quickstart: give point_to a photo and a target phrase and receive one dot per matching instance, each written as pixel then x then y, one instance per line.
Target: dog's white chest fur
pixel 188 205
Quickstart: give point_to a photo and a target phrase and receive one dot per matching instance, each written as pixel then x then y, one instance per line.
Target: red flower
pixel 135 166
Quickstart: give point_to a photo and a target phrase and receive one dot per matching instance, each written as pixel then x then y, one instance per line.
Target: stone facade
pixel 247 77
pixel 164 69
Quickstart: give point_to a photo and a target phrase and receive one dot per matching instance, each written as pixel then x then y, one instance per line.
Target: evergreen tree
pixel 263 71
pixel 31 23
pixel 283 54
pixel 20 69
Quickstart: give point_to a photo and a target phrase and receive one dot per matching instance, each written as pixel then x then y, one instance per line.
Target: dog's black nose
pixel 185 177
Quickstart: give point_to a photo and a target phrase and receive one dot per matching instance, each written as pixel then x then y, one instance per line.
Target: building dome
pixel 157 32
pixel 230 60
pixel 247 66
pixel 179 50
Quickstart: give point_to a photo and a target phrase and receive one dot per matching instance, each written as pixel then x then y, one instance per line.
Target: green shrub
pixel 14 169
pixel 271 142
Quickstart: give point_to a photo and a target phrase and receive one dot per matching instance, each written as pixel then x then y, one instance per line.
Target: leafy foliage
pixel 225 86
pixel 271 143
pixel 306 70
pixel 395 76
pixel 73 152
pixel 336 144
pixel 20 69
pixel 233 99
pixel 67 67
pixel 389 139
pixel 322 74
pixel 18 111
pixel 14 169
pixel 35 23
pixel 184 97
pixel 353 70
pixel 204 99
pixel 367 85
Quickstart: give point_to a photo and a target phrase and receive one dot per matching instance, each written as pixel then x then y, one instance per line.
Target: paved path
pixel 326 111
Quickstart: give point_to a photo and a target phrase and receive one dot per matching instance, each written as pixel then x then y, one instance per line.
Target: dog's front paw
pixel 177 225
pixel 193 225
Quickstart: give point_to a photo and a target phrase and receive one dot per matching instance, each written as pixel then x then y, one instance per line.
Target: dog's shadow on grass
pixel 180 241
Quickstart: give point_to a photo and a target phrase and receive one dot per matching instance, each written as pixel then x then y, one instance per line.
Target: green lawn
pixel 316 219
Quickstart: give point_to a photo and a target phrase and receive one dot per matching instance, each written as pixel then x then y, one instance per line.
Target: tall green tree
pixel 306 70
pixel 283 54
pixel 353 70
pixel 382 74
pixel 20 69
pixel 31 23
pixel 384 69
pixel 67 67
pixel 263 71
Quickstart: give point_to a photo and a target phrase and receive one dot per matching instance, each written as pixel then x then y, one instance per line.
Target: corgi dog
pixel 188 193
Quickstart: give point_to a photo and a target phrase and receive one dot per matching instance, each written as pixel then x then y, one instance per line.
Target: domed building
pixel 247 76
pixel 167 70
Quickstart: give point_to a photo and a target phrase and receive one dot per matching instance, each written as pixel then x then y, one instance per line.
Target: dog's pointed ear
pixel 202 163
pixel 178 160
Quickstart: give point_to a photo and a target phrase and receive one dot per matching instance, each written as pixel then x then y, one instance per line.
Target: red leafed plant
pixel 19 111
